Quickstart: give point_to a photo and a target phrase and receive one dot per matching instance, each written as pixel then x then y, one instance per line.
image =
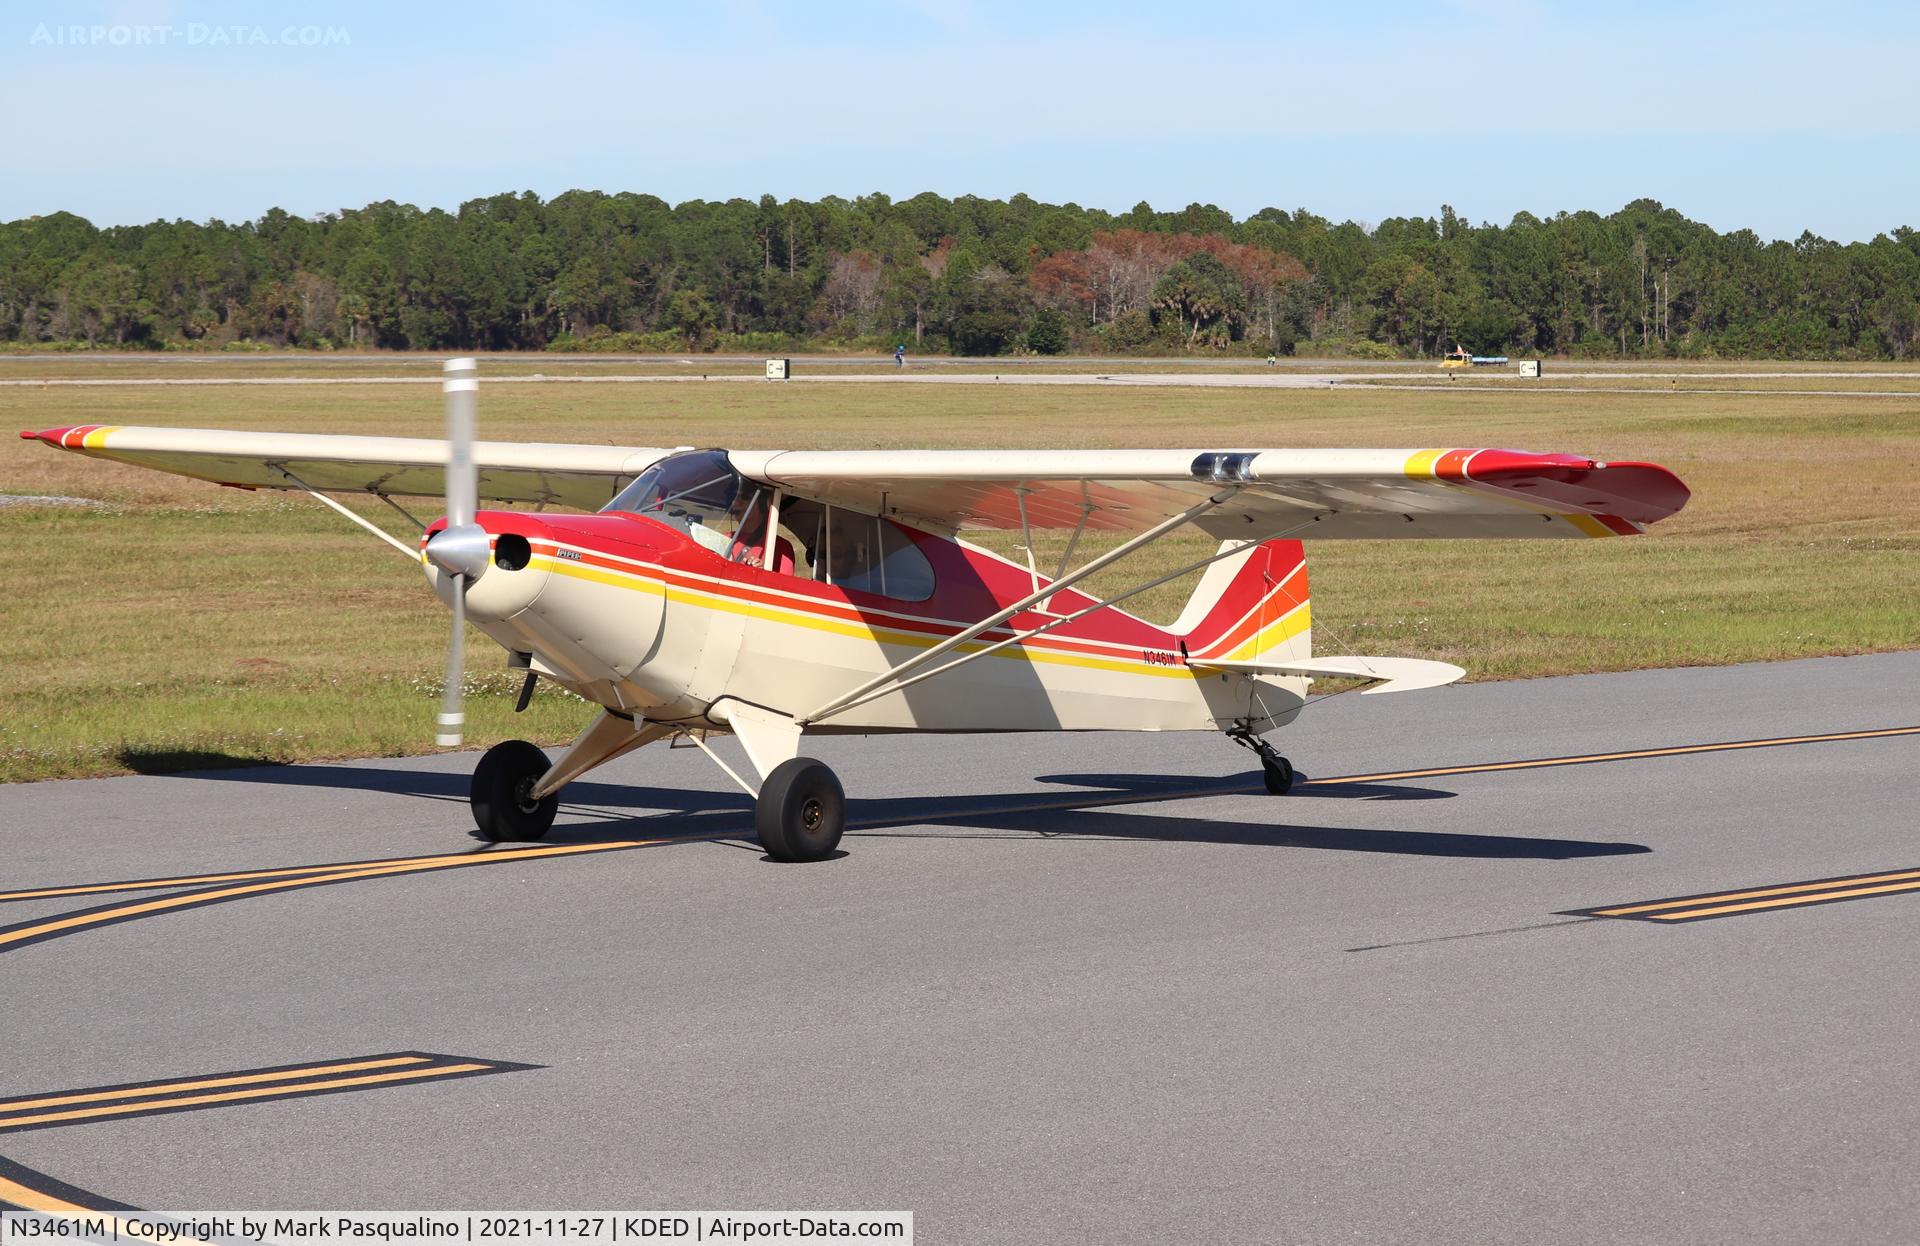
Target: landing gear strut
pixel 504 807
pixel 1277 770
pixel 801 811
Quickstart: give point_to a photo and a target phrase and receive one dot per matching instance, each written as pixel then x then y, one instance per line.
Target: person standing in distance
pixel 900 356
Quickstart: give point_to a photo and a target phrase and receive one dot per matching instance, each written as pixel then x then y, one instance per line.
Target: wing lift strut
pixel 413 554
pixel 913 671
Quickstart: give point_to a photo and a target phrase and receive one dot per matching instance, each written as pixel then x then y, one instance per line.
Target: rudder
pixel 1250 605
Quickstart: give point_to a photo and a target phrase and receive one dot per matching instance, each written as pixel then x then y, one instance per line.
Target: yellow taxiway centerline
pixel 397 1069
pixel 1632 755
pixel 307 874
pixel 168 1088
pixel 189 880
pixel 35 1200
pixel 1708 906
pixel 124 912
pixel 237 1096
pixel 1797 891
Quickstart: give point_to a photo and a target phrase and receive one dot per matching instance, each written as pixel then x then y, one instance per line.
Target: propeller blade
pixel 462 551
pixel 453 713
pixel 461 386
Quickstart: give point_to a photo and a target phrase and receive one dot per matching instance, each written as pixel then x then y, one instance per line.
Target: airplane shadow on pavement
pixel 1234 785
pixel 1056 823
pixel 680 813
pixel 453 787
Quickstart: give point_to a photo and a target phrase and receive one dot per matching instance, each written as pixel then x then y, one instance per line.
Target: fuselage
pixel 636 615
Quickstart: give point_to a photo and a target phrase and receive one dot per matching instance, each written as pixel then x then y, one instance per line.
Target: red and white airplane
pixel 779 594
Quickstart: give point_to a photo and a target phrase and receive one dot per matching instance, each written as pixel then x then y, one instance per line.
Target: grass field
pixel 179 624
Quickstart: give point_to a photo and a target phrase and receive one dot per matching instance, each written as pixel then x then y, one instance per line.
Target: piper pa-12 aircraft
pixel 775 595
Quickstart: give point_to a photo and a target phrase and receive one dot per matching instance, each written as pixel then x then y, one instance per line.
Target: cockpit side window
pixel 855 551
pixel 747 535
pixel 853 554
pixel 805 523
pixel 904 570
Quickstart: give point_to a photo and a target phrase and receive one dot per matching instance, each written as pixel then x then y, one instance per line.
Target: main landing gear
pixel 1277 770
pixel 504 807
pixel 801 811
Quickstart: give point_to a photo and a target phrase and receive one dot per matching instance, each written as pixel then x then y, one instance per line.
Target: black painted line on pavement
pixel 23 1189
pixel 1766 898
pixel 1093 799
pixel 211 1090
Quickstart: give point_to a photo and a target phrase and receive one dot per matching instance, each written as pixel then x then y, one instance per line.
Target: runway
pixel 1013 376
pixel 1617 957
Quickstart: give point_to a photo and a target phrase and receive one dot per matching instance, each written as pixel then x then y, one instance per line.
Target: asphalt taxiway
pixel 1621 957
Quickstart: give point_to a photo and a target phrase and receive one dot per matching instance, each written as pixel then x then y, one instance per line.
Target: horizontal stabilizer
pixel 1394 674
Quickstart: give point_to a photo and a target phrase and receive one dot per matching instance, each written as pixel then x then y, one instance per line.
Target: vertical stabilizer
pixel 1250 605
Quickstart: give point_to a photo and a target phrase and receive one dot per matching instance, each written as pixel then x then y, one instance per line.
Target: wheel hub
pixel 523 794
pixel 812 814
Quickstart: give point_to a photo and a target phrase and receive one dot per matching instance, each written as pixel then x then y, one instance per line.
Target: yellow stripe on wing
pixel 1588 524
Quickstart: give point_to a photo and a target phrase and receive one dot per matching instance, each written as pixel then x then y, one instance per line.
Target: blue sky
pixel 1769 117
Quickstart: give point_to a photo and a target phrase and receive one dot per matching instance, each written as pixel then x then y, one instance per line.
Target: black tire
pixel 1279 775
pixel 802 811
pixel 502 808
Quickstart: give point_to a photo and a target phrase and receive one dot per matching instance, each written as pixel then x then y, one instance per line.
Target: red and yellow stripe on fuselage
pixel 796 644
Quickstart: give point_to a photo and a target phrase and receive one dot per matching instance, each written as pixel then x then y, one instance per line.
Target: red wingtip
pixel 57 437
pixel 1641 492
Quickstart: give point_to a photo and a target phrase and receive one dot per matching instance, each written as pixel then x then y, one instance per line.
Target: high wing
pixel 1312 494
pixel 1315 494
pixel 582 477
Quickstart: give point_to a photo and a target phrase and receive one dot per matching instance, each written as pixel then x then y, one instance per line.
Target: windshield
pixel 699 492
pixel 698 486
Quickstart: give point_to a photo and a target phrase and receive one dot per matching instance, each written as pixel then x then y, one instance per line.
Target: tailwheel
pixel 801 811
pixel 504 807
pixel 1276 770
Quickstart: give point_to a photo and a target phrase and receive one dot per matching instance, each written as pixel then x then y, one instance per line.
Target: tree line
pixel 588 270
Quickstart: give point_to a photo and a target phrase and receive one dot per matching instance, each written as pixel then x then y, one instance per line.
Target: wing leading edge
pixel 582 477
pixel 1313 494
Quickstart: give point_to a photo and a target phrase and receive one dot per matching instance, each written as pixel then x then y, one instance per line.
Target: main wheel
pixel 502 795
pixel 801 812
pixel 1278 772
